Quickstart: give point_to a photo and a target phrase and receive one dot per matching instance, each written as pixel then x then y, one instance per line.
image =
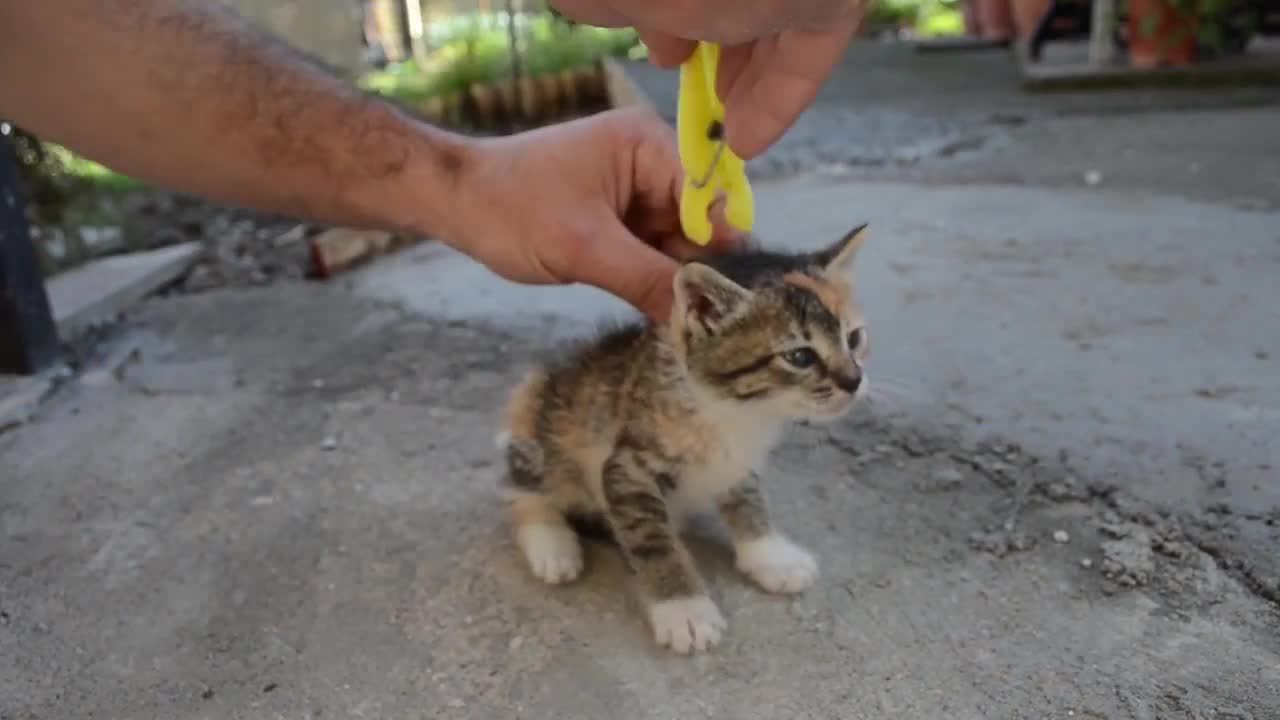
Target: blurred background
pixel 484 66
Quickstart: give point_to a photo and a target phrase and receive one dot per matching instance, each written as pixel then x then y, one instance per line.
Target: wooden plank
pixel 28 334
pixel 100 290
pixel 339 249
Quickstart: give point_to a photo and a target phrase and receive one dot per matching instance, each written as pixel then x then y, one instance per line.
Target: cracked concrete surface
pixel 181 544
pixel 1059 502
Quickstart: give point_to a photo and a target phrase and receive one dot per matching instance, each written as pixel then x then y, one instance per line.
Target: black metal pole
pixel 28 335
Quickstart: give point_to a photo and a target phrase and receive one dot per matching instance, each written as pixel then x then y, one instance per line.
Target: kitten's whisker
pixel 894 393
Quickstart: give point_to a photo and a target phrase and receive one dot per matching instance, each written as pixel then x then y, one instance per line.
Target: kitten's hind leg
pixel 774 562
pixel 549 544
pixel 681 614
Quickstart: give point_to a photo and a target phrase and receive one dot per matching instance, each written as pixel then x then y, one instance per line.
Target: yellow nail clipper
pixel 709 165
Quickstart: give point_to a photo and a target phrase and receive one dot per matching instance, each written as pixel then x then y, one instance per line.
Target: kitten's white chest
pixel 742 450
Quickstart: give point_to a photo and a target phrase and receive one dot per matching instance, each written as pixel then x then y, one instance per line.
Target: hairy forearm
pixel 188 97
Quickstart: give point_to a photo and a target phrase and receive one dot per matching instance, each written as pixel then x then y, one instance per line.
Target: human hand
pixel 594 200
pixel 776 53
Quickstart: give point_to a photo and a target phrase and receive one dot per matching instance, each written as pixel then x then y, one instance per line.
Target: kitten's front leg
pixel 681 614
pixel 766 556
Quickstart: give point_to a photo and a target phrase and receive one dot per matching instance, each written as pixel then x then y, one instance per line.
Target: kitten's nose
pixel 847 383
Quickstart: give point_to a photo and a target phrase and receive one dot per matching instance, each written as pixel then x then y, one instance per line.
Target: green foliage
pixel 929 18
pixel 475 49
pixel 54 177
pixel 89 172
pixel 936 18
pixel 892 12
pixel 1218 22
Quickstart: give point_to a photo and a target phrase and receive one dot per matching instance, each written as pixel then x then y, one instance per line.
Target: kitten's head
pixel 780 333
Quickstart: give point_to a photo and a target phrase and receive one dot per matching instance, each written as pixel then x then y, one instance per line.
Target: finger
pixel 653 212
pixel 617 262
pixel 724 237
pixel 768 85
pixel 666 51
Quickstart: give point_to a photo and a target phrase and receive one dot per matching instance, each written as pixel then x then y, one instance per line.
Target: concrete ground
pixel 1061 500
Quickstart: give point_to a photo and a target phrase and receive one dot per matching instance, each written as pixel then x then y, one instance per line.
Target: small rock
pixel 456 703
pixel 1062 491
pixel 294 235
pixel 1093 177
pixel 1001 543
pixel 1115 531
pixel 329 443
pixel 1129 560
pixel 948 476
pixel 206 694
pixel 1021 542
pixel 317 383
pixel 1061 537
pixel 942 479
pixel 515 643
pixel 1086 563
pixel 200 279
pixel 1170 548
pixel 262 501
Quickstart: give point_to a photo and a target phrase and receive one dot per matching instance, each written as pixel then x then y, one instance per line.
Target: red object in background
pixel 995 18
pixel 1160 35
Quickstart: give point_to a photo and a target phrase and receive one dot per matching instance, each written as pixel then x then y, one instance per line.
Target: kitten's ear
pixel 838 257
pixel 706 299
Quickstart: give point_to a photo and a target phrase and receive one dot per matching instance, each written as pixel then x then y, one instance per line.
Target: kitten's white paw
pixel 553 551
pixel 777 564
pixel 691 624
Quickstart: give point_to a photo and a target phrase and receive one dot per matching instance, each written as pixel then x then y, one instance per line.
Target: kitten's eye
pixel 856 339
pixel 800 357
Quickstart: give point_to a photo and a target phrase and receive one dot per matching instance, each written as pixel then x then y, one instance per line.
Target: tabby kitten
pixel 649 424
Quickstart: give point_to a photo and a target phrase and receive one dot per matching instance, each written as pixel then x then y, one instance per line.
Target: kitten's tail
pixel 519 418
pixel 517 438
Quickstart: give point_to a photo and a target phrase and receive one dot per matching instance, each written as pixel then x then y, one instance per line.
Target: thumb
pixel 666 51
pixel 767 87
pixel 619 263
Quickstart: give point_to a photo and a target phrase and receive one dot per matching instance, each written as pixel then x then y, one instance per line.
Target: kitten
pixel 650 424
